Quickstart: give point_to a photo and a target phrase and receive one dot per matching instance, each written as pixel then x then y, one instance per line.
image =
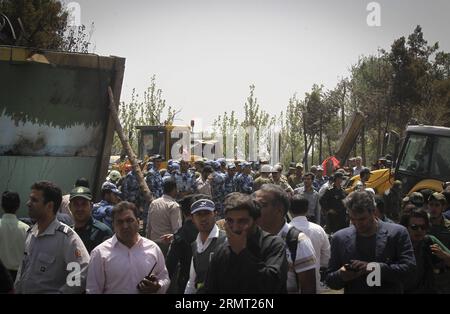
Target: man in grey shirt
pixel 308 192
pixel 55 258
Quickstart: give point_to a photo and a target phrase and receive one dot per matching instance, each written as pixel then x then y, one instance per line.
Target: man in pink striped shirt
pixel 127 263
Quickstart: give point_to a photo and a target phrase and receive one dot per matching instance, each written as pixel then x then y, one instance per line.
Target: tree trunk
pixel 379 140
pixel 343 109
pixel 363 144
pixel 330 152
pixel 305 137
pixel 131 156
pixel 320 139
pixel 312 152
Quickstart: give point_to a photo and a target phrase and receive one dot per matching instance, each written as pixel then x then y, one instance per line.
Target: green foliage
pixel 43 24
pixel 148 111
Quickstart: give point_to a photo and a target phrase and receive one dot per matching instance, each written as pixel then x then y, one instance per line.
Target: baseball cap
pixel 231 166
pixel 81 191
pixel 299 164
pixel 202 204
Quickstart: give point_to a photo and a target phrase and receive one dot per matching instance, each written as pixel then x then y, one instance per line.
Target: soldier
pixel 278 180
pixel 91 231
pixel 153 177
pixel 130 189
pixel 244 182
pixel 217 181
pixel 110 197
pixel 55 258
pixel 173 167
pixel 265 172
pixel 185 180
pixel 229 179
pixel 223 165
pixel 296 179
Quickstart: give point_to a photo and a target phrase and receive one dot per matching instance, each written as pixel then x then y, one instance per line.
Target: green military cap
pixel 81 191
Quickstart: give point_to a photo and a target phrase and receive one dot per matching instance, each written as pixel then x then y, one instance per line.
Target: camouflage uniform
pixel 218 191
pixel 229 184
pixel 130 189
pixel 154 182
pixel 260 181
pixel 186 182
pixel 236 179
pixel 102 211
pixel 245 184
pixel 284 185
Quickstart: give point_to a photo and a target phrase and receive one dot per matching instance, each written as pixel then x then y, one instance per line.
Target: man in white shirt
pixel 208 239
pixel 274 202
pixel 164 216
pixel 13 233
pixel 127 263
pixel 318 236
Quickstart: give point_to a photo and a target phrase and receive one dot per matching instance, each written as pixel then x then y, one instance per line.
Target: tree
pixel 41 24
pixel 147 112
pixel 294 126
pixel 255 118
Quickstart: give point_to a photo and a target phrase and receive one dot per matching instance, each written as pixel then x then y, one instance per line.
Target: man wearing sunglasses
pixel 433 258
pixel 370 256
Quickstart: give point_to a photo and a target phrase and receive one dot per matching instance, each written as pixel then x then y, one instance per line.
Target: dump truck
pixel 54 119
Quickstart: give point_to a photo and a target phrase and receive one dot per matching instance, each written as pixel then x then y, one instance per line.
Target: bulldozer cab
pixel 424 160
pixel 159 140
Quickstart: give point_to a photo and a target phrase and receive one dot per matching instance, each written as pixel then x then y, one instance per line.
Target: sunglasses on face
pixel 417 227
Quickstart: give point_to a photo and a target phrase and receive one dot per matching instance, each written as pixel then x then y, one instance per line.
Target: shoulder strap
pixel 65 229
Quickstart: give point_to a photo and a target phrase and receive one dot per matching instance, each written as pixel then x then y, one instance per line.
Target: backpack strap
pixel 292 242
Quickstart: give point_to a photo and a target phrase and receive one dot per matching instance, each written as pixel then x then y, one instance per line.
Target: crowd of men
pixel 226 227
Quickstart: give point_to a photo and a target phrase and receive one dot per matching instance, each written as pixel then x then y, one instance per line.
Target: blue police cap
pixel 202 204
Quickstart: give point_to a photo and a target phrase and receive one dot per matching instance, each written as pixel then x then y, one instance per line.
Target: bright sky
pixel 206 53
